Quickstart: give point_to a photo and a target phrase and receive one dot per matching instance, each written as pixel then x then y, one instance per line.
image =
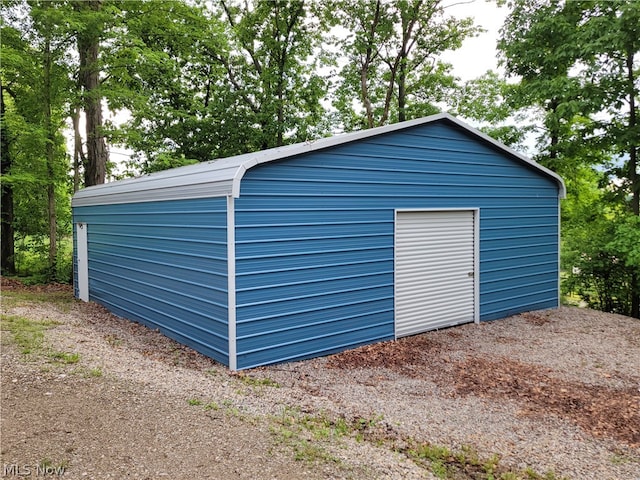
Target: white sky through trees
pixel 477 54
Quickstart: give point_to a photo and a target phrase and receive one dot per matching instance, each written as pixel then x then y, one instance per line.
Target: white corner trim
pixel 82 259
pixel 395 273
pixel 231 282
pixel 476 266
pixel 559 302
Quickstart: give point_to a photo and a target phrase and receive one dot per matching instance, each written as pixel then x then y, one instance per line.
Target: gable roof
pixel 219 178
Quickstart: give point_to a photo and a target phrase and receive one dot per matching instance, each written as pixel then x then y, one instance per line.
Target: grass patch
pixel 65 358
pixel 95 372
pixel 311 436
pixel 257 382
pixel 467 464
pixel 304 449
pixel 194 402
pixel 307 451
pixel 27 334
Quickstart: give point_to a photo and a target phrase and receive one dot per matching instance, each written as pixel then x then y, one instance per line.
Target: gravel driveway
pixel 550 394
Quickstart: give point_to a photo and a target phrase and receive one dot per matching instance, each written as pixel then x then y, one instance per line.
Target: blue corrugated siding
pixel 163 264
pixel 315 236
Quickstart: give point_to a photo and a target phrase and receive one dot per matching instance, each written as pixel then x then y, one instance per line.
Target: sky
pixel 478 54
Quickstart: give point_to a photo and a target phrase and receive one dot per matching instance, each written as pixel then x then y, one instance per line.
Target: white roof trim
pixel 219 178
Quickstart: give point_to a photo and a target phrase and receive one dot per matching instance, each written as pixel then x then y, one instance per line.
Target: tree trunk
pixel 50 156
pixel 78 153
pixel 633 147
pixel 364 67
pixel 7 238
pixel 402 91
pixel 553 132
pixel 364 91
pixel 88 49
pixel 633 177
pixel 280 134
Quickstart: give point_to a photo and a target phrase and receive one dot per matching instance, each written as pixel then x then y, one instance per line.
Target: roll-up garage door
pixel 434 270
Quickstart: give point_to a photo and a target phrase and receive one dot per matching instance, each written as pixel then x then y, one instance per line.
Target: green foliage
pixel 392 67
pixel 165 161
pixel 162 69
pixel 32 262
pixel 272 68
pixel 600 258
pixel 627 241
pixel 489 100
pixel 208 81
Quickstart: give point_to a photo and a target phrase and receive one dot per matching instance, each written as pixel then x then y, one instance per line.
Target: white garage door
pixel 435 270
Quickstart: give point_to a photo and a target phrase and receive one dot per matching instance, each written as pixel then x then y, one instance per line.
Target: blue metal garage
pixel 322 246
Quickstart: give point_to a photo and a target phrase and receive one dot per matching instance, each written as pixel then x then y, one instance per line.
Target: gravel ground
pixel 554 391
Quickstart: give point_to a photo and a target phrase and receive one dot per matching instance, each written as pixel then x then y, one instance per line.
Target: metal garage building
pixel 314 248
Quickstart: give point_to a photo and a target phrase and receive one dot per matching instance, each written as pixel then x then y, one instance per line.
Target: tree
pixel 90 29
pixel 393 66
pixel 610 33
pixel 36 78
pixel 271 69
pixel 577 65
pixel 162 68
pixel 202 84
pixel 489 100
pixel 7 256
pixel 538 45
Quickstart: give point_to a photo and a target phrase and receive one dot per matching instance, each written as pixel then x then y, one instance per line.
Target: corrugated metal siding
pixel 314 281
pixel 163 264
pixel 223 177
pixel 315 237
pixel 435 265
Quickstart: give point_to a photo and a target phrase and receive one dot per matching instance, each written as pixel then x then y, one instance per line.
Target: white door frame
pixel 476 254
pixel 82 260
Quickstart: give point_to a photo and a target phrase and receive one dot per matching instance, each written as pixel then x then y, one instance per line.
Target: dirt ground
pixel 47 419
pixel 138 405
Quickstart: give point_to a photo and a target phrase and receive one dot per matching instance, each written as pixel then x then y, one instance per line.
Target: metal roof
pixel 219 178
